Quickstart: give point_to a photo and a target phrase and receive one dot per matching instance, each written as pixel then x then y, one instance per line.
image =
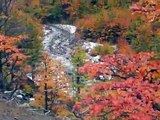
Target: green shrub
pixel 79 56
pixel 102 50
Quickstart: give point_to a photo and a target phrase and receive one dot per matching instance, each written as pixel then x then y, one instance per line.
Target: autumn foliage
pixel 92 21
pixel 132 93
pixel 124 84
pixel 124 47
pixel 11 61
pixel 51 72
pixel 149 8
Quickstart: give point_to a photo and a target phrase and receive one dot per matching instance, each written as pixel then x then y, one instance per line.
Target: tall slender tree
pixel 51 75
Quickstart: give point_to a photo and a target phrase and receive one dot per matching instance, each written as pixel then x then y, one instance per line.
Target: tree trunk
pixel 2 82
pixel 46 98
pixel 78 82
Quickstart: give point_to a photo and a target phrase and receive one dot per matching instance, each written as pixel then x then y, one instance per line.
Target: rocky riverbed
pixel 60 40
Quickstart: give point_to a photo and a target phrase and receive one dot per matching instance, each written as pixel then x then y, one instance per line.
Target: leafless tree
pixel 5 9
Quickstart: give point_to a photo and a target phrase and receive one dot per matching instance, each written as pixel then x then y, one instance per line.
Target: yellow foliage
pixel 28 89
pixel 51 72
pixel 39 101
pixel 35 2
pixel 124 47
pixel 105 17
pixel 102 50
pixel 28 21
pixel 61 111
pixel 91 21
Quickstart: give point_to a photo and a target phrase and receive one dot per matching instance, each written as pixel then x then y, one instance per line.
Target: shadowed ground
pixel 12 112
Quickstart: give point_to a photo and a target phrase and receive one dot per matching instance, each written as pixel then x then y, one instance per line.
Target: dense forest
pixel 118 78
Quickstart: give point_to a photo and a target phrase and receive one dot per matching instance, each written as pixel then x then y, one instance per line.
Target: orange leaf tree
pixel 124 47
pixel 132 93
pixel 51 73
pixel 11 60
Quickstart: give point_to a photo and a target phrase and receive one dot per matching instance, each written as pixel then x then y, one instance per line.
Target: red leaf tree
pixel 149 8
pixel 133 92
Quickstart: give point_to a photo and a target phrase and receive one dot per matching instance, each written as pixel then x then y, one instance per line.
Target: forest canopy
pixel 115 77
